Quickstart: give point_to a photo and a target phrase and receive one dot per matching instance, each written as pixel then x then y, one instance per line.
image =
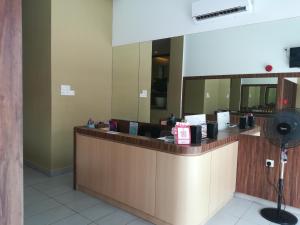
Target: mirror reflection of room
pixel 258 95
pixel 238 95
pixel 206 96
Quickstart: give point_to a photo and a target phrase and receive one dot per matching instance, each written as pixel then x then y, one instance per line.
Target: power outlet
pixel 270 163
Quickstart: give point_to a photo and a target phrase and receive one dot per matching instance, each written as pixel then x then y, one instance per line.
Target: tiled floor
pixel 53 201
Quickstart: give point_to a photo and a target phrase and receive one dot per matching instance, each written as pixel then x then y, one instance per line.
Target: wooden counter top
pixel 225 137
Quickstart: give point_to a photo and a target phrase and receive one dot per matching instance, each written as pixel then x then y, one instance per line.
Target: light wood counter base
pixel 166 189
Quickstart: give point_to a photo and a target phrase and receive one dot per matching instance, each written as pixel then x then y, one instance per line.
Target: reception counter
pixel 164 183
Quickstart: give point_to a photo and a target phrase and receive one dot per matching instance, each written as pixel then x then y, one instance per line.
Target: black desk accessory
pixel 212 130
pixel 196 134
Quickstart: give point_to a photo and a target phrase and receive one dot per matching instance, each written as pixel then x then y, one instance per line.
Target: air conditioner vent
pixel 221 13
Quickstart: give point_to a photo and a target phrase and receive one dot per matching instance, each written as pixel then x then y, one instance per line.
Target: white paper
pixel 71 93
pixel 223 120
pixel 66 90
pixel 144 94
pixel 195 120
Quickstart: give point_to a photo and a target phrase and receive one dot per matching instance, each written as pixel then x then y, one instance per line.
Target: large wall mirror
pixel 206 73
pixel 147 80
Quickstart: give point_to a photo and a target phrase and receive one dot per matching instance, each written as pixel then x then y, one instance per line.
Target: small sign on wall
pixel 66 90
pixel 144 94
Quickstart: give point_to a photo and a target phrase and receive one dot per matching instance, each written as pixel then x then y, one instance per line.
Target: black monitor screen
pixel 295 57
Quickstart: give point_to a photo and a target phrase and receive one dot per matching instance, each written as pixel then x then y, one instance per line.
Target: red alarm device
pixel 269 68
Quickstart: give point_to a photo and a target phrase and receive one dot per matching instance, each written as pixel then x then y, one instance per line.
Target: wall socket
pixel 270 163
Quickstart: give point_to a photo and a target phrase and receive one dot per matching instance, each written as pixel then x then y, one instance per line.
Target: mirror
pixel 206 96
pixel 258 98
pixel 150 81
pixel 238 95
pixel 258 95
pixel 147 80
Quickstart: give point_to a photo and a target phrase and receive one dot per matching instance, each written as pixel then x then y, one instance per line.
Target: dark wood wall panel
pixel 252 174
pixel 11 157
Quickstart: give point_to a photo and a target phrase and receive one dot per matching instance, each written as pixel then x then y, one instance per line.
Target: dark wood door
pixel 289 94
pixel 286 93
pixel 11 157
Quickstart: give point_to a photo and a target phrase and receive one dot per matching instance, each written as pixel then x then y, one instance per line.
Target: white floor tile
pixel 32 196
pixel 53 201
pixel 236 207
pixel 39 207
pixel 55 185
pixel 245 222
pixel 57 190
pixel 74 220
pixel 140 222
pixel 32 177
pixel 71 196
pixel 50 217
pixel 223 219
pixel 83 204
pixel 117 218
pixel 253 215
pixel 98 211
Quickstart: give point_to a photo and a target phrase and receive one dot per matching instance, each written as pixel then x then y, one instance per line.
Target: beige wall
pixel 235 94
pixel 206 96
pixel 145 81
pixel 254 96
pixel 131 74
pixel 215 96
pixel 211 96
pixel 81 57
pixel 125 82
pixel 194 96
pixel 37 82
pixel 224 93
pixel 65 42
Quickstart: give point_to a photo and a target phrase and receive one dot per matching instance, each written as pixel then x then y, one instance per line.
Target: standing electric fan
pixel 283 130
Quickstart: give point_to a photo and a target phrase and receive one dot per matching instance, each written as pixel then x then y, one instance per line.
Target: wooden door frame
pixel 11 113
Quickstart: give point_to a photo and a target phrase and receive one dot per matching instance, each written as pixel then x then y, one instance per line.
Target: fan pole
pixel 278 215
pixel 283 161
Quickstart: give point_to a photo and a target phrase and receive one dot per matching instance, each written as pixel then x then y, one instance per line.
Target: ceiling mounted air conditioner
pixel 208 9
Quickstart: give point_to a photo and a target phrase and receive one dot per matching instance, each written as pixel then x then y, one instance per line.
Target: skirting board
pixel 265 202
pixel 50 173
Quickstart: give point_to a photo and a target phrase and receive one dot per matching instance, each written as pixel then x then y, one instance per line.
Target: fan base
pixel 283 218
